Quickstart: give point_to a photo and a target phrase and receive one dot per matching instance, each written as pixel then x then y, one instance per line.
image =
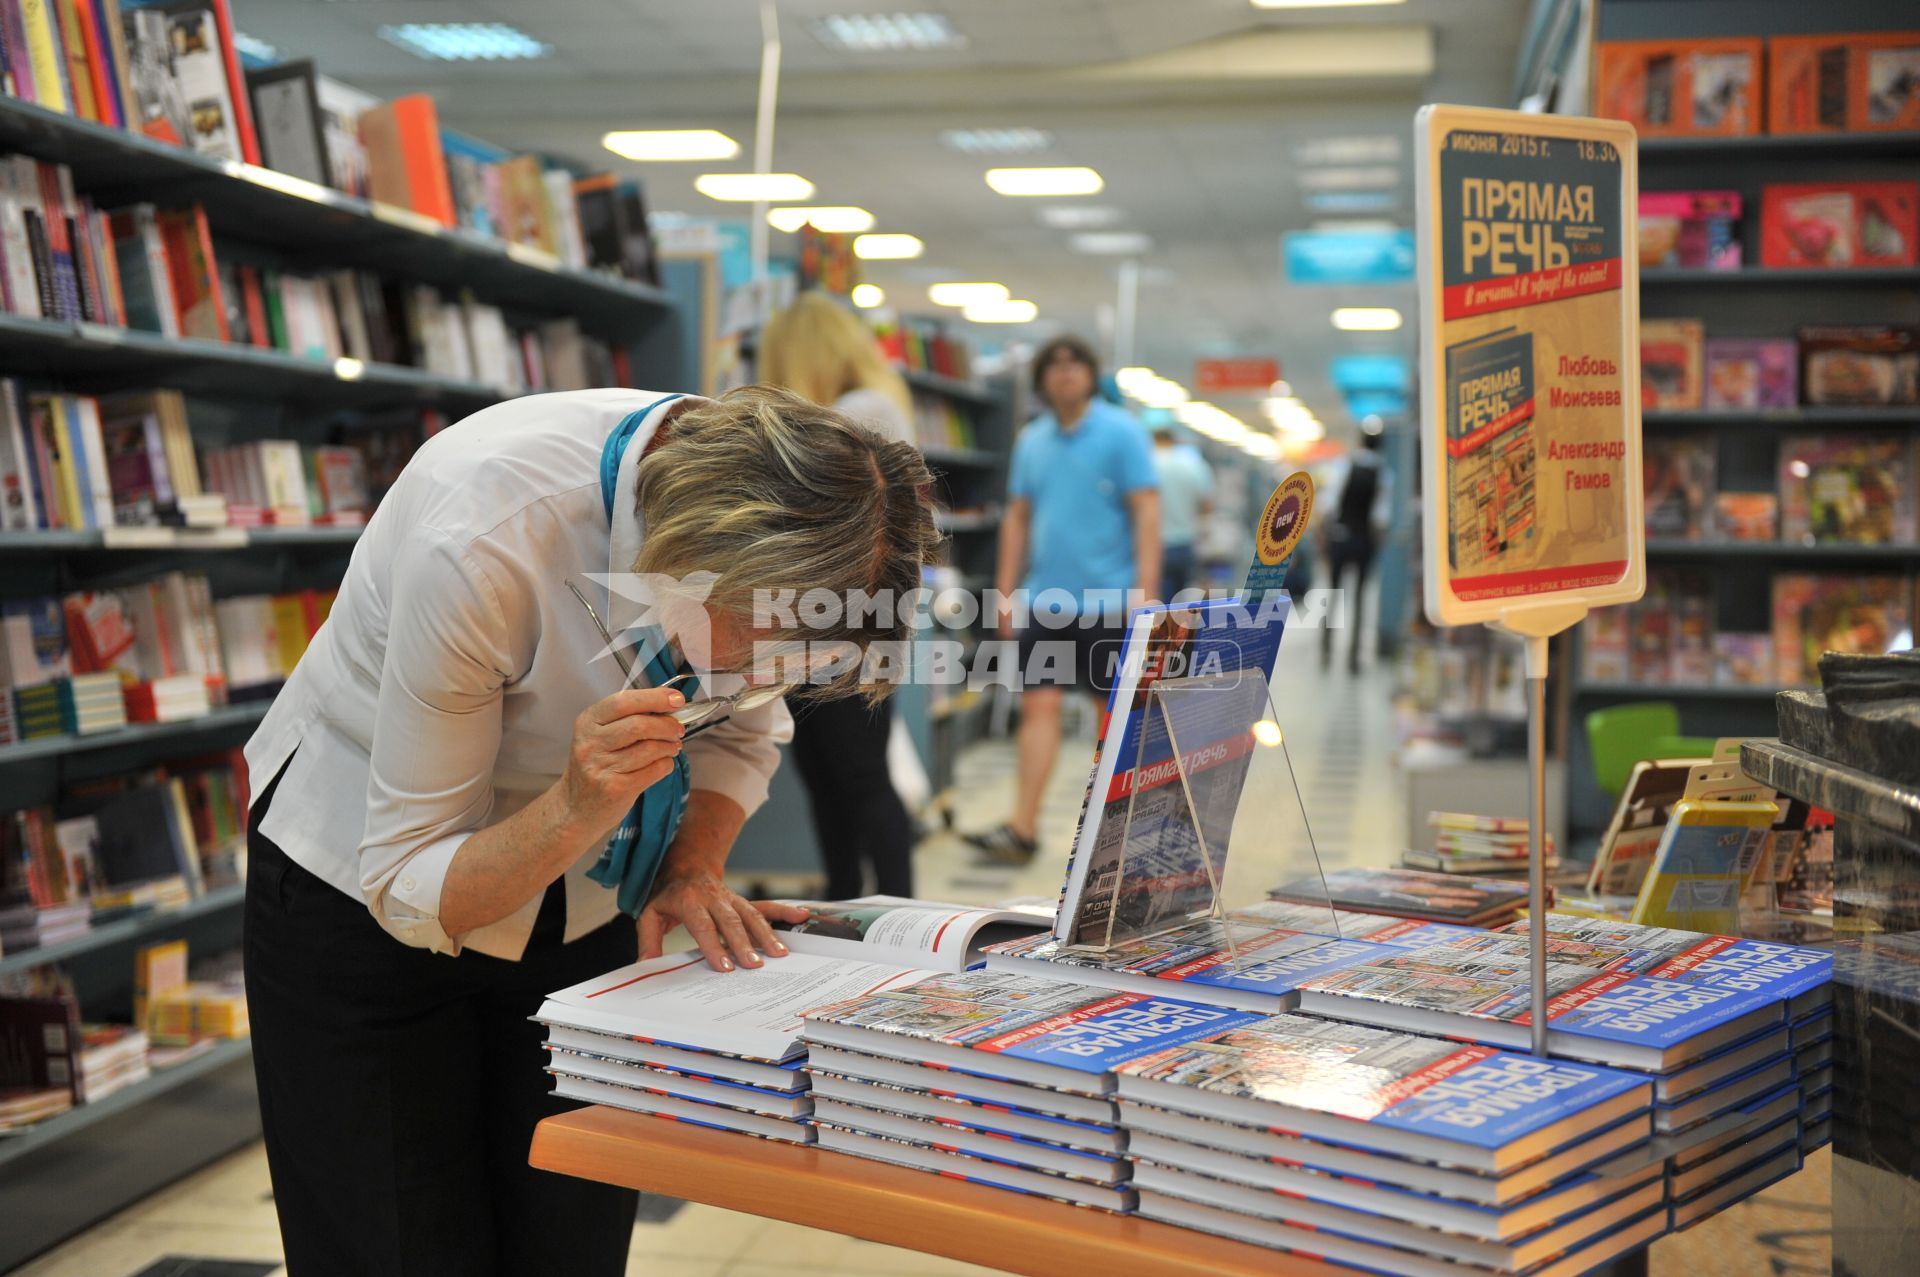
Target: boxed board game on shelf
pixel 1743 84
pixel 1822 365
pixel 173 73
pixel 1671 636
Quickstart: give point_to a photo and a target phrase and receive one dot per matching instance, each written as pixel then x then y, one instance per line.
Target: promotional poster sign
pixel 1531 362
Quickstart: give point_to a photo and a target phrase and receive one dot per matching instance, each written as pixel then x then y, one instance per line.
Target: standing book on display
pixel 1151 847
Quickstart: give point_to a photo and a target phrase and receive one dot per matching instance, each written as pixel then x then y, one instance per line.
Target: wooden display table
pixel 890 1204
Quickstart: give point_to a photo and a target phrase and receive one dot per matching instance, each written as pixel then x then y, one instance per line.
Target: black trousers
pixel 399 1090
pixel 1346 553
pixel 840 747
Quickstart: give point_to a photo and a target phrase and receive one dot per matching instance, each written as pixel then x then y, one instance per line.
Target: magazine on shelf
pixel 1017 1028
pixel 1136 865
pixel 1220 1147
pixel 942 1082
pixel 919 933
pixel 948 1109
pixel 1009 1150
pixel 1578 1256
pixel 1518 1235
pixel 1409 893
pixel 975 1170
pixel 1639 818
pixel 1387 1092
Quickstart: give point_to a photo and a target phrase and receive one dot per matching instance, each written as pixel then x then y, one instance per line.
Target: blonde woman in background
pixel 819 349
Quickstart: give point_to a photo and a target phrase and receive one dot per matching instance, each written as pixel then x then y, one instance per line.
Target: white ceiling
pixel 1191 109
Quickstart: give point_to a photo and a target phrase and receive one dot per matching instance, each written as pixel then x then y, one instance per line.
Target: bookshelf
pixel 71 1170
pixel 1752 302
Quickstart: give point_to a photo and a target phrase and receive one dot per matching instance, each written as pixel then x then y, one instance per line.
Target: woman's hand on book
pixel 729 929
pixel 621 744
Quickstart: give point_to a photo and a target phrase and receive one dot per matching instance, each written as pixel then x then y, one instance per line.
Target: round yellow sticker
pixel 1284 521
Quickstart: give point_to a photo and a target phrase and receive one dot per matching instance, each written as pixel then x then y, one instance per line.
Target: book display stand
pixel 1215 817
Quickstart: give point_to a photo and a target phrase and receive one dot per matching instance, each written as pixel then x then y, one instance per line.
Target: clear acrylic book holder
pixel 1210 820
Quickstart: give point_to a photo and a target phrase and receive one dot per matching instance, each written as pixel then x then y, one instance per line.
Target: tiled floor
pixel 1339 737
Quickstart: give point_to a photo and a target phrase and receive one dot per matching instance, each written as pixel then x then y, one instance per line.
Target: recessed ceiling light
pixel 1044 181
pixel 1117 242
pixel 254 47
pixel 1366 319
pixel 753 186
pixel 1352 201
pixel 1351 178
pixel 835 219
pixel 867 296
pixel 955 293
pixel 870 32
pixel 671 144
pixel 1377 148
pixel 887 248
pixel 465 41
pixel 1076 217
pixel 996 141
pixel 1013 311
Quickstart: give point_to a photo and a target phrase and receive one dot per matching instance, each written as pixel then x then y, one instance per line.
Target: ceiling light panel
pixel 1011 311
pixel 882 32
pixel 1321 4
pixel 1112 242
pixel 966 293
pixel 465 41
pixel 887 248
pixel 996 141
pixel 1078 217
pixel 1353 201
pixel 867 296
pixel 1370 177
pixel 1045 181
pixel 1378 148
pixel 1366 319
pixel 671 144
pixel 753 186
pixel 834 219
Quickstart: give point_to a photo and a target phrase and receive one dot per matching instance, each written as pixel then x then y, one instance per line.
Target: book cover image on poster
pixel 1490 448
pixel 1534 472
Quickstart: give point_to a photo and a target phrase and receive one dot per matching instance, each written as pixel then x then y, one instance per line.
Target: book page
pixel 750 1011
pixel 921 933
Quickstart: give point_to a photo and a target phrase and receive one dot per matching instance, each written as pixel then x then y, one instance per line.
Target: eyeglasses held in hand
pixel 695 716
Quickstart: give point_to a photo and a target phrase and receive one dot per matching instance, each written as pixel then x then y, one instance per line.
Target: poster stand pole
pixel 1536 838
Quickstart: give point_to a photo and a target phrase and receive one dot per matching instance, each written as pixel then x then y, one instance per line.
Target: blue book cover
pixel 1388 1081
pixel 1086 1031
pixel 1782 972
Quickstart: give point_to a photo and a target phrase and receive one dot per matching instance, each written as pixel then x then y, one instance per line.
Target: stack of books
pixel 674 1039
pixel 1017 1071
pixel 112 1057
pixel 1411 893
pixel 1812 1042
pixel 1491 846
pixel 1733 1156
pixel 1393 1152
pixel 22 1107
pixel 93 703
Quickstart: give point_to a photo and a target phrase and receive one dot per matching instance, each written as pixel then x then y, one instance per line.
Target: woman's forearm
pixel 507 864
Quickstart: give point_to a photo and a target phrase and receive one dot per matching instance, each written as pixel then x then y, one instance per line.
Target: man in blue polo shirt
pixel 1082 529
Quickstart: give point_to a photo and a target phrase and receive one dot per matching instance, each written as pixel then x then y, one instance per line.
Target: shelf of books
pixel 1780 363
pixel 228 316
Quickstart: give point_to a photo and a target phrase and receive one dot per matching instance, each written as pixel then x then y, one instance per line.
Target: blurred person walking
pixel 1082 527
pixel 1353 539
pixel 1186 498
pixel 820 350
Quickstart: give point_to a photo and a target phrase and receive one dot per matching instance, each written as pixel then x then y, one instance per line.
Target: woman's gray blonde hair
pixel 771 492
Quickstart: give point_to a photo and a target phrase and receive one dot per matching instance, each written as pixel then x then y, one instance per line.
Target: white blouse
pixel 440 695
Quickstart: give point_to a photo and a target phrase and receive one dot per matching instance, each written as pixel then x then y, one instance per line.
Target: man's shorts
pixel 1083 656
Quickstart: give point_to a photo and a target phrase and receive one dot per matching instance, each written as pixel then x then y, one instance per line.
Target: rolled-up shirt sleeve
pixel 738 757
pixel 436 733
